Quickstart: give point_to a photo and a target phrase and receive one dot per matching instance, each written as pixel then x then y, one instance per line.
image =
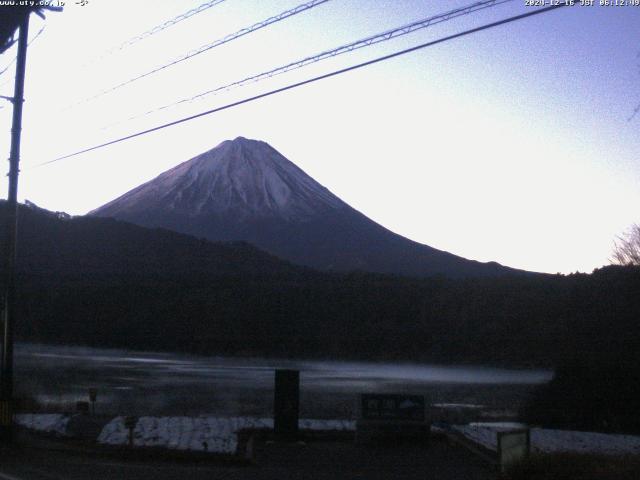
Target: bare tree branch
pixel 626 249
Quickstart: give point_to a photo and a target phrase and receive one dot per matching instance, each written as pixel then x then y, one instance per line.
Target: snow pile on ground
pixel 211 434
pixel 555 441
pixel 44 422
pixel 458 405
pixel 551 441
pixel 327 425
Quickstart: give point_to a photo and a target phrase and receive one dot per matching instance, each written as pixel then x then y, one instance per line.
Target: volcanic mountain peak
pixel 243 177
pixel 245 190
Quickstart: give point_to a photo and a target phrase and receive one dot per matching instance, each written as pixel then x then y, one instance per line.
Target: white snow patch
pixel 556 441
pixel 327 425
pixel 240 178
pixel 457 405
pixel 499 425
pixel 44 422
pixel 212 434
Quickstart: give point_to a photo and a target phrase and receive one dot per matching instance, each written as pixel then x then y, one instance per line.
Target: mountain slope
pixel 246 190
pixel 56 245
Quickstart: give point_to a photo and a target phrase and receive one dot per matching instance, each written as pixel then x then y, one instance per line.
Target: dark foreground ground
pixel 314 460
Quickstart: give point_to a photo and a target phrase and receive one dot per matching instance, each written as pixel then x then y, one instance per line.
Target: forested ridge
pixel 102 282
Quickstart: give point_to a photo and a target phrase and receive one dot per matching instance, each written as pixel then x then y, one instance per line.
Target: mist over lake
pixel 130 382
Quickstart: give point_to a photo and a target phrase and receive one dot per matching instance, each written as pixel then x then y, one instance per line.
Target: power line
pixel 13 60
pixel 311 80
pixel 156 29
pixel 221 41
pixel 366 42
pixel 635 112
pixel 164 26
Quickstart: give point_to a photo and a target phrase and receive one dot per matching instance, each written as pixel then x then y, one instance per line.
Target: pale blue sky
pixel 510 145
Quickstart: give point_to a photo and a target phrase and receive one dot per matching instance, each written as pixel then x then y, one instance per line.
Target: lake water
pixel 173 384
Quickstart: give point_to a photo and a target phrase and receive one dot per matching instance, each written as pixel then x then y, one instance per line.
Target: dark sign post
pixel 130 423
pixel 93 395
pixel 286 404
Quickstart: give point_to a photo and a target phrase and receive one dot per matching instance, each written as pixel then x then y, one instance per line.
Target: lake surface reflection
pixel 163 383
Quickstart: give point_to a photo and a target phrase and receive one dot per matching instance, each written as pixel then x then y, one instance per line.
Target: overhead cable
pixel 312 80
pixel 365 42
pixel 13 60
pixel 216 43
pixel 163 26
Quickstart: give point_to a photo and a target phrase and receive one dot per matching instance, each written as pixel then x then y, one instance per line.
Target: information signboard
pixel 391 418
pixel 392 407
pixel 513 447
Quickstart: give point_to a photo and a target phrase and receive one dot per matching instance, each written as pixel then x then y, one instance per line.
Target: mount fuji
pixel 246 190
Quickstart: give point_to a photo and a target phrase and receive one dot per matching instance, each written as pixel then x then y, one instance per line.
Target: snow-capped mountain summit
pixel 246 190
pixel 247 179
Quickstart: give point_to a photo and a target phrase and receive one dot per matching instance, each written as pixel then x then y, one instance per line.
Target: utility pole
pixel 11 230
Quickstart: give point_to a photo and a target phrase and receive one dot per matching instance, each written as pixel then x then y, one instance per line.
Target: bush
pixel 576 467
pixel 596 394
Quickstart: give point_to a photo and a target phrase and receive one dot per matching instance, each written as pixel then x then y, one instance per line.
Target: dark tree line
pixel 105 283
pixel 506 321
